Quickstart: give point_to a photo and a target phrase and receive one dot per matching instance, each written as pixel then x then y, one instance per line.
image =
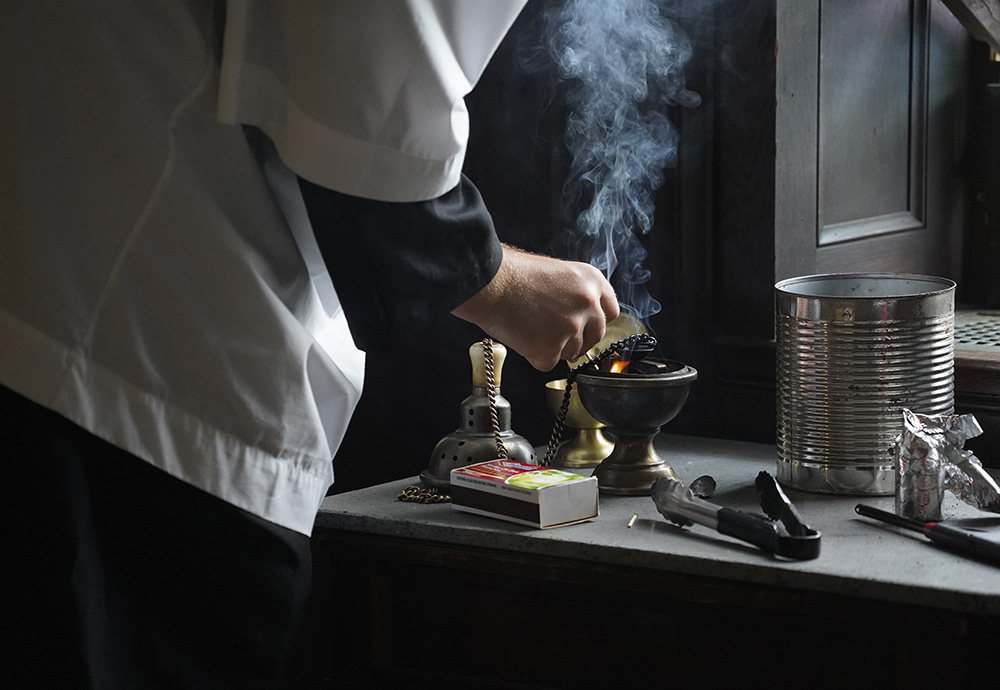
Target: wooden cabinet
pixel 419 614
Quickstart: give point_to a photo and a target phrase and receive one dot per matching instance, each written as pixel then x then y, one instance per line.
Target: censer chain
pixel 491 394
pixel 420 494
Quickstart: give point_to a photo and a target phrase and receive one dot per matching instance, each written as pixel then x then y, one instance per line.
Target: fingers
pixel 543 308
pixel 574 347
pixel 609 304
pixel 595 319
pixel 593 333
pixel 547 364
pixel 587 306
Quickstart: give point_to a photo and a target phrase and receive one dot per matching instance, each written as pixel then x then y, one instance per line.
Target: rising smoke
pixel 623 61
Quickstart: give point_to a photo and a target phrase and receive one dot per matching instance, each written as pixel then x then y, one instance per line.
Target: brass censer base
pixel 634 404
pixel 590 446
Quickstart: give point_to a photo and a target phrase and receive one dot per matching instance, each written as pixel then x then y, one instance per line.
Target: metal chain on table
pixel 419 494
pixel 559 426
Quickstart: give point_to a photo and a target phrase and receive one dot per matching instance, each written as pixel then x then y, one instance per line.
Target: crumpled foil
pixel 930 459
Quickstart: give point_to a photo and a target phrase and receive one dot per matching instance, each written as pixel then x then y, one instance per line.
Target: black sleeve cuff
pixel 399 268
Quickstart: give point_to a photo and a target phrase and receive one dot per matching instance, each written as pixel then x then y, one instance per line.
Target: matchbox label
pixel 539 479
pixel 517 474
pixel 496 470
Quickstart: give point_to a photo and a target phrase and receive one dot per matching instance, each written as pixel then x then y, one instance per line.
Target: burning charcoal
pixel 647 367
pixel 615 366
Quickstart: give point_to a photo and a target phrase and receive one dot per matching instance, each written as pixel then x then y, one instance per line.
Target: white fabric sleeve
pixel 362 97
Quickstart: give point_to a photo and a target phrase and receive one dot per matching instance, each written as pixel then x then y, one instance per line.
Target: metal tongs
pixel 785 533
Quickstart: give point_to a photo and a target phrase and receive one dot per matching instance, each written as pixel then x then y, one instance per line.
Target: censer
pixel 633 404
pixel 633 395
pixel 484 429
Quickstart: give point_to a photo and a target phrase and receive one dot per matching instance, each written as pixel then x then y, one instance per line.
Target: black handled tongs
pixel 782 532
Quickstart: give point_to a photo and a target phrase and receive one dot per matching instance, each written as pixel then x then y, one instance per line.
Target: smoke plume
pixel 623 61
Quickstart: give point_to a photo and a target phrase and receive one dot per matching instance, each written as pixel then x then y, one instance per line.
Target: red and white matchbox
pixel 527 494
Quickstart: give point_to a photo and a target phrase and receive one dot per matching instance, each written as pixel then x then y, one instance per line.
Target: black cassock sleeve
pixel 400 268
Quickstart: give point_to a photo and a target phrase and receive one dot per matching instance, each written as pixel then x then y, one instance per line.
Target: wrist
pixel 477 308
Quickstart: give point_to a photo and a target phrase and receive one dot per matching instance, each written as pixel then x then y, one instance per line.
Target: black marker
pixel 955 539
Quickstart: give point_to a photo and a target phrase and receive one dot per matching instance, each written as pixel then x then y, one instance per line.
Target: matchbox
pixel 526 494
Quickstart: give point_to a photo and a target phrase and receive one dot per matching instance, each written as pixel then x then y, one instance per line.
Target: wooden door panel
pixel 881 89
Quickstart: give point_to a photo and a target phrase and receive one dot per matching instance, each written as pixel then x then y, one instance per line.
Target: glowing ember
pixel 618 367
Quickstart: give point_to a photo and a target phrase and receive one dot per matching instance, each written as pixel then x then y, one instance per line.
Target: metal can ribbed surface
pixel 853 351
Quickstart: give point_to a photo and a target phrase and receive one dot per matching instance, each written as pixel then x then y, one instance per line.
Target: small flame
pixel 619 366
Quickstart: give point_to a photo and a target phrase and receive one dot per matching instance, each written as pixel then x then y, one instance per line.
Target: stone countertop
pixel 859 556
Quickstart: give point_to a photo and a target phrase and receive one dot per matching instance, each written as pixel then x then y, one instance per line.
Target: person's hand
pixel 545 309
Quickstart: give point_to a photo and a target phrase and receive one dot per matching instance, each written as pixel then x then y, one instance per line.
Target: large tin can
pixel 853 351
